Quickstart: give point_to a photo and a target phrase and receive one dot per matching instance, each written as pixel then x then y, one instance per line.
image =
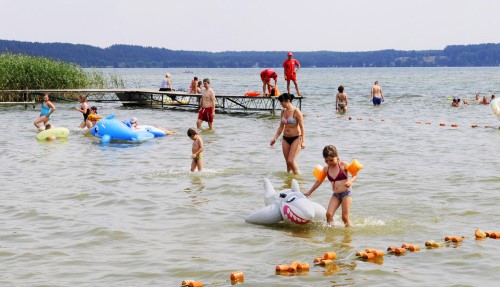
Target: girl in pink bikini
pixel 337 174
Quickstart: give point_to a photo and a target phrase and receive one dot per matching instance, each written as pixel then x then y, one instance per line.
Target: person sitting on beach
pixel 377 96
pixel 341 100
pixel 93 118
pixel 166 84
pixel 47 109
pixel 485 101
pixel 198 87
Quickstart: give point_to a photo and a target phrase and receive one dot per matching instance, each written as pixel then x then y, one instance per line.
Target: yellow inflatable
pixel 52 133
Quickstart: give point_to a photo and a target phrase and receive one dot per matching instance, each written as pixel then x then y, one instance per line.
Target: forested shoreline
pixel 129 56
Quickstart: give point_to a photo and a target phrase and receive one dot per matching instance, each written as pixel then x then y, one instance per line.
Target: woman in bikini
pixel 292 127
pixel 336 173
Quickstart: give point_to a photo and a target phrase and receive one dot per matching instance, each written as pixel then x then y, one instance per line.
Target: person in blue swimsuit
pixel 47 109
pixel 292 127
pixel 336 173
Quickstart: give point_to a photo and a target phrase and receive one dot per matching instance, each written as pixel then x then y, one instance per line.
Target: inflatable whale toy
pixel 109 129
pixel 289 205
pixel 495 108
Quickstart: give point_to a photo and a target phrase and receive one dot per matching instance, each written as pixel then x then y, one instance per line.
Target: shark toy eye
pixel 282 195
pixel 291 198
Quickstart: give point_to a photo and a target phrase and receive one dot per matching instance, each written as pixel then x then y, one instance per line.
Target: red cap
pixel 290 54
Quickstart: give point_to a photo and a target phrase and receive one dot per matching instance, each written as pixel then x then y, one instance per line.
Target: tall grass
pixel 19 72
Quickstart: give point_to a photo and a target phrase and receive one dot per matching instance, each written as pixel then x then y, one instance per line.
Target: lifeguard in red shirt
pixel 266 77
pixel 290 72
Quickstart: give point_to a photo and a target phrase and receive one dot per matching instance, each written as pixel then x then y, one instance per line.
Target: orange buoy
pixel 368 256
pixel 326 262
pixel 414 248
pixel 238 275
pixel 474 126
pixel 454 125
pixel 400 251
pixel 418 123
pixel 329 255
pixel 428 123
pixel 252 94
pixel 457 239
pixel 436 245
pixel 441 124
pixel 378 252
pixel 360 254
pixel 495 235
pixel 391 248
pixel 405 245
pixel 369 250
pixel 186 282
pixel 282 268
pixel 196 284
pixel 317 260
pixel 430 243
pixel 350 118
pixel 303 267
pixel 449 238
pixel 479 234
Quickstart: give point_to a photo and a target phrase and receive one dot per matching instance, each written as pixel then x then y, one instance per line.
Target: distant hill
pixel 127 56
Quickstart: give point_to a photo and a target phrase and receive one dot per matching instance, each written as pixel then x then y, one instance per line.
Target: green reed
pixel 19 72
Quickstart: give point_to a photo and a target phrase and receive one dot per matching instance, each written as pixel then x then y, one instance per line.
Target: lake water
pixel 78 213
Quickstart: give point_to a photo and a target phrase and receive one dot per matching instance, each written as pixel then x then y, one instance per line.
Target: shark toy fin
pixel 269 192
pixel 295 186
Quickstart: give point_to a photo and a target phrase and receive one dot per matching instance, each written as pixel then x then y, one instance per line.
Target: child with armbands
pixel 337 173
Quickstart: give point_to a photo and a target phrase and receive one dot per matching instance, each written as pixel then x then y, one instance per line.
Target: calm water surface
pixel 78 213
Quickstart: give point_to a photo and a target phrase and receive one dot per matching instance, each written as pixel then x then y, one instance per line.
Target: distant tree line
pixel 128 56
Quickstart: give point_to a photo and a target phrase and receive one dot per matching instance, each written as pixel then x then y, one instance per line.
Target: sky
pixel 254 25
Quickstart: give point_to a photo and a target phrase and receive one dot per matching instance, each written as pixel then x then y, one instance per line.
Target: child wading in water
pixel 196 150
pixel 337 174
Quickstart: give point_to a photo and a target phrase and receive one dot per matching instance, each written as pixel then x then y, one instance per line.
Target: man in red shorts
pixel 266 76
pixel 207 105
pixel 290 72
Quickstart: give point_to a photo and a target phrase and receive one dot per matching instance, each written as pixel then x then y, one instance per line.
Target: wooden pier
pixel 147 98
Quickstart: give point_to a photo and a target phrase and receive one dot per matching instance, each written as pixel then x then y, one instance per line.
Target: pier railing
pixel 145 97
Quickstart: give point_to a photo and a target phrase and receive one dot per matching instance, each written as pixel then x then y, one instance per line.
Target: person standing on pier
pixel 266 77
pixel 47 109
pixel 207 105
pixel 291 73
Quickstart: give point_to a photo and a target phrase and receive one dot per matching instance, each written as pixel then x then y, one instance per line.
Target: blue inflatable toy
pixel 151 129
pixel 109 129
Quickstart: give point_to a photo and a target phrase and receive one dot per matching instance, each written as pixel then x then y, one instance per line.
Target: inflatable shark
pixel 289 205
pixel 111 129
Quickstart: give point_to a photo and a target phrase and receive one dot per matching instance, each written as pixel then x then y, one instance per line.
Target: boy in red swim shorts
pixel 290 72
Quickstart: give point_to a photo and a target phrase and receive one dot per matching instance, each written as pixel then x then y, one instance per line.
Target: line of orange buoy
pixel 419 122
pixel 369 254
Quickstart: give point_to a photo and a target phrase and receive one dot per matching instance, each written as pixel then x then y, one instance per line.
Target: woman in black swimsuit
pixel 292 127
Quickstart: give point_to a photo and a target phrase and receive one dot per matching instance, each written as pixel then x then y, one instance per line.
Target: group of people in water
pixel 456 102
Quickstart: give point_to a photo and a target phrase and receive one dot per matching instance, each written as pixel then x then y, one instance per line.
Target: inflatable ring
pixel 495 108
pixel 53 132
pixel 252 94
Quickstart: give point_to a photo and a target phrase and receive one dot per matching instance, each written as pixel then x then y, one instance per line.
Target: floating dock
pixel 148 98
